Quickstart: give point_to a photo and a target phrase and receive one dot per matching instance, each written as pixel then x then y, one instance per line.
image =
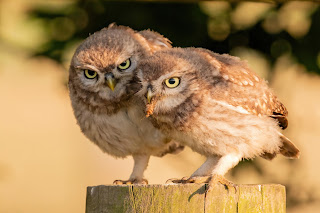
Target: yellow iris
pixel 124 65
pixel 90 74
pixel 172 82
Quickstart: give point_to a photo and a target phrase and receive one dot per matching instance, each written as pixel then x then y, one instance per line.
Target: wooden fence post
pixel 171 198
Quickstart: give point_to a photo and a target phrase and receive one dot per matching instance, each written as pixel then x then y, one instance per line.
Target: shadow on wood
pixel 270 198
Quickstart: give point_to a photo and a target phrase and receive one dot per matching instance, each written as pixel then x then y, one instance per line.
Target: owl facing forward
pixel 216 105
pixel 101 85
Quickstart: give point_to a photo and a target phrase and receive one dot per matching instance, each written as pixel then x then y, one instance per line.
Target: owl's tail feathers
pixel 288 149
pixel 268 156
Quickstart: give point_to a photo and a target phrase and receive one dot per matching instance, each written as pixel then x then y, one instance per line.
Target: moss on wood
pixel 171 198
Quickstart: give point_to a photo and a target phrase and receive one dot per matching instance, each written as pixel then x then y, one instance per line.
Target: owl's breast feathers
pixel 243 88
pixel 91 101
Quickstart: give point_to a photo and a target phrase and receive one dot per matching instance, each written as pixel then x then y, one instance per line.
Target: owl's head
pixel 169 78
pixel 101 70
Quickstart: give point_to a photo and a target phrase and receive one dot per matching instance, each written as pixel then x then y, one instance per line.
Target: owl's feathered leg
pixel 136 177
pixel 201 175
pixel 225 163
pixel 207 167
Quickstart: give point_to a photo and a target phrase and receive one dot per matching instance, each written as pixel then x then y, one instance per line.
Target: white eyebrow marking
pixel 87 66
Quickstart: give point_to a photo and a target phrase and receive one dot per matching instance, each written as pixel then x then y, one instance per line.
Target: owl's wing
pixel 155 40
pixel 245 88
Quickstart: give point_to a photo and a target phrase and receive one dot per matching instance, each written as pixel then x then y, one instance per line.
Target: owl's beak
pixel 111 81
pixel 151 102
pixel 149 95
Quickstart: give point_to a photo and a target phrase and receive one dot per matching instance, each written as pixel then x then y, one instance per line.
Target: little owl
pixel 101 84
pixel 215 105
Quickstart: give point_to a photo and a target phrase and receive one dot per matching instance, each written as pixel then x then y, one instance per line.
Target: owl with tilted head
pixel 102 84
pixel 215 105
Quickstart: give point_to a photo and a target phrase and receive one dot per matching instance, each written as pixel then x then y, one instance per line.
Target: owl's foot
pixel 210 180
pixel 195 179
pixel 219 178
pixel 130 182
pixel 176 180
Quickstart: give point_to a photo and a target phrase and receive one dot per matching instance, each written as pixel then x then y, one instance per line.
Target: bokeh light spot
pixel 271 23
pixel 214 9
pixel 242 18
pixel 318 60
pixel 218 29
pixel 294 17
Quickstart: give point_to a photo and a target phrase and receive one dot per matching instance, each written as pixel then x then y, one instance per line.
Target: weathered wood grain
pixel 173 198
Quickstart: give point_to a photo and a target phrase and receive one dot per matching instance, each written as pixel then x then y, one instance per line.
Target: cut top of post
pixel 186 198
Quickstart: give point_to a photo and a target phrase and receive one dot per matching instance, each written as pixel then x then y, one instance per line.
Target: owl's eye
pixel 90 74
pixel 172 82
pixel 124 65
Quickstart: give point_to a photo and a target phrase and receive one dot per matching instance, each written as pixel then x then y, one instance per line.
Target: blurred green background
pixel 45 161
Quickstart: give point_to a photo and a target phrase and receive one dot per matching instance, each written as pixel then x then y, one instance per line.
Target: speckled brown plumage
pixel 238 72
pixel 102 95
pixel 219 108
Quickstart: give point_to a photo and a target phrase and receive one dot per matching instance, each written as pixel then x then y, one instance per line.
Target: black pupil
pixel 91 73
pixel 123 64
pixel 172 81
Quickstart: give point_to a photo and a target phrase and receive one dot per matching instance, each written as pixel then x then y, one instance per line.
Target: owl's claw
pixel 196 179
pixel 214 179
pixel 130 182
pixel 177 180
pixel 210 180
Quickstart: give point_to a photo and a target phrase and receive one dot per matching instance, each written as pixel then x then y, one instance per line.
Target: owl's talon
pixel 210 180
pixel 218 178
pixel 144 181
pixel 130 182
pixel 184 180
pixel 121 182
pixel 199 179
pixel 177 180
pixel 170 180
